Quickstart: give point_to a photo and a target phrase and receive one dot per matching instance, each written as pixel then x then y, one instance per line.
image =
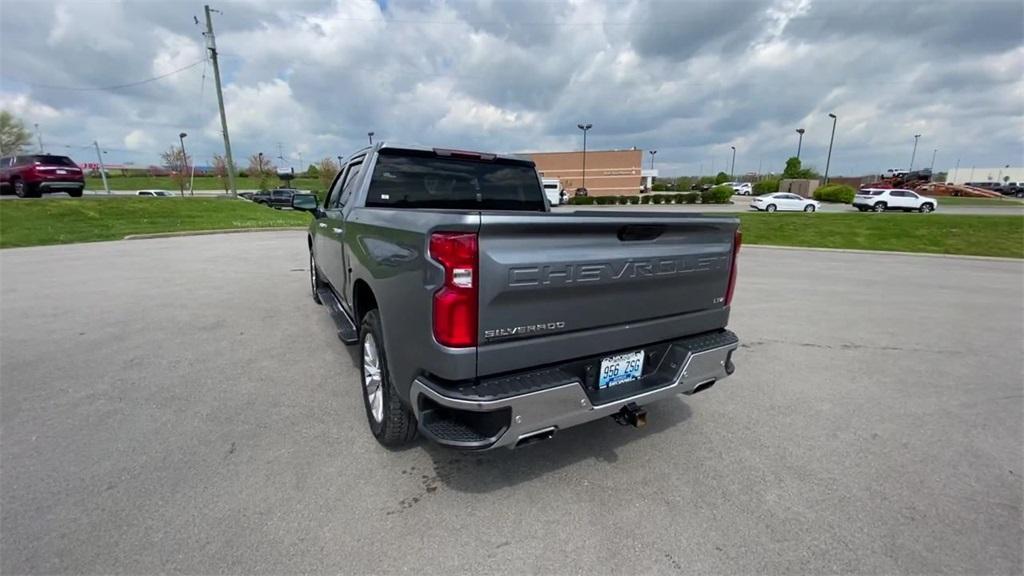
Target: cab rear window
pixel 50 160
pixel 409 179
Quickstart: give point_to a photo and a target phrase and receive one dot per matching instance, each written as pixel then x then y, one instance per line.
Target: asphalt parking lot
pixel 181 405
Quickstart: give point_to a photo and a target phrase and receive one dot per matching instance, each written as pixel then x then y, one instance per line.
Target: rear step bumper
pixel 458 421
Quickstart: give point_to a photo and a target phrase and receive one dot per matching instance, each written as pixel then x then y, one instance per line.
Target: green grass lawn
pixel 66 220
pixel 118 182
pixel 931 233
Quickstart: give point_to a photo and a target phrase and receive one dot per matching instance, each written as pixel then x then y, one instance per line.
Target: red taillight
pixel 737 242
pixel 455 304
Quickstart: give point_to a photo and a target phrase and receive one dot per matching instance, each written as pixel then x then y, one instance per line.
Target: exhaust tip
pixel 534 437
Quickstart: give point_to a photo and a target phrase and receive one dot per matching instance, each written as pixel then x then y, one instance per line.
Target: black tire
pixel 809 208
pixel 862 209
pixel 76 193
pixel 769 208
pixel 397 426
pixel 315 283
pixel 880 207
pixel 20 190
pixel 926 208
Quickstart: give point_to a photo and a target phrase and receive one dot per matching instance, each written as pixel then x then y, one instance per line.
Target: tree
pixel 795 171
pixel 260 167
pixel 326 169
pixel 14 138
pixel 721 178
pixel 312 171
pixel 220 170
pixel 177 163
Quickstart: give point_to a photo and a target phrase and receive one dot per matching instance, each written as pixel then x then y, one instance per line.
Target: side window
pixel 351 180
pixel 332 197
pixel 910 195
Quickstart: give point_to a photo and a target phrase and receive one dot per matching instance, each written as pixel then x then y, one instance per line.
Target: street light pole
pixel 370 136
pixel 103 169
pixel 585 128
pixel 184 161
pixel 652 153
pixel 732 167
pixel 932 167
pixel 912 155
pixel 800 142
pixel 830 141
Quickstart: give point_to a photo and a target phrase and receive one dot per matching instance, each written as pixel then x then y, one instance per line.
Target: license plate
pixel 621 368
pixel 62 171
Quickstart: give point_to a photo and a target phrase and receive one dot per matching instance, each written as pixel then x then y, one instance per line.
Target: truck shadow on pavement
pixel 480 472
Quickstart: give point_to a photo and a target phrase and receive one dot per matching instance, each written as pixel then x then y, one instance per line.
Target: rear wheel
pixel 391 422
pixel 76 193
pixel 770 208
pixel 20 189
pixel 926 207
pixel 879 207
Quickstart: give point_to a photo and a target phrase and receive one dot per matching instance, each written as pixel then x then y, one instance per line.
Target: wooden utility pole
pixel 212 47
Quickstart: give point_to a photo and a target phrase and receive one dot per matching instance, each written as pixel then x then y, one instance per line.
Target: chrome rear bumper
pixel 565 405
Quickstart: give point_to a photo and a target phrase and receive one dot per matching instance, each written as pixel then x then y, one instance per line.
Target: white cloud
pixel 316 76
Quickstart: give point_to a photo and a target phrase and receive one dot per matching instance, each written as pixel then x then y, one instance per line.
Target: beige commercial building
pixel 609 172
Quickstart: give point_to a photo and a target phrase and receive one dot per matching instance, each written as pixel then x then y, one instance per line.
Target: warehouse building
pixel 609 172
pixel 963 175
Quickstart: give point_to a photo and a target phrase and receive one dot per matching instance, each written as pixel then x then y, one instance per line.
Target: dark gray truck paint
pixel 576 284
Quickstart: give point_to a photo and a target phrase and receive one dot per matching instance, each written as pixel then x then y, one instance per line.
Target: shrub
pixel 656 199
pixel 717 195
pixel 690 197
pixel 769 186
pixel 633 199
pixel 721 178
pixel 581 200
pixel 645 199
pixel 835 193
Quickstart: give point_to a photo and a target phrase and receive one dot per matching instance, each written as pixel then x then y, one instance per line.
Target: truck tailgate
pixel 559 286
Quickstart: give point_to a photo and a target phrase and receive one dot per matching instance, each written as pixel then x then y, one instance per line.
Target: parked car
pixel 261 197
pixel 481 327
pixel 154 193
pixel 741 188
pixel 281 198
pixel 895 173
pixel 1015 189
pixel 882 199
pixel 553 190
pixel 784 202
pixel 246 195
pixel 31 175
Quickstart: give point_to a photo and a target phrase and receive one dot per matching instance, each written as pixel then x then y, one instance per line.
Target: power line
pixel 116 86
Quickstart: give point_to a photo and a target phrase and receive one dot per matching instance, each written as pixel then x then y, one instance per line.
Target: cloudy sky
pixel 689 79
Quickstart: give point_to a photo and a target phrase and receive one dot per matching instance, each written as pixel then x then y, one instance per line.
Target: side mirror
pixel 304 202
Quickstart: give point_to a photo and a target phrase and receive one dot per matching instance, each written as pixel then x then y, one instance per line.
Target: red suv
pixel 31 175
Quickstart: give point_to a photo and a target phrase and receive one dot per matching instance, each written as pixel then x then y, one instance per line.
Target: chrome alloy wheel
pixel 372 378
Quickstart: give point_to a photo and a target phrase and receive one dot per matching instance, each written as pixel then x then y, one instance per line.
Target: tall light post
pixel 184 160
pixel 370 136
pixel 800 142
pixel 585 128
pixel 914 153
pixel 832 139
pixel 931 168
pixel 732 167
pixel 652 153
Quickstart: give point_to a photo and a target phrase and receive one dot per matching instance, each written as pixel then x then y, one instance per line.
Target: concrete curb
pixel 885 252
pixel 207 232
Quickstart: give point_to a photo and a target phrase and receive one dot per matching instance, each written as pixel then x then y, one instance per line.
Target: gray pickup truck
pixel 484 320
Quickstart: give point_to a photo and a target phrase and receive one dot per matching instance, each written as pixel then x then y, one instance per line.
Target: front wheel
pixel 391 422
pixel 926 208
pixel 76 193
pixel 315 283
pixel 809 208
pixel 880 207
pixel 20 189
pixel 770 208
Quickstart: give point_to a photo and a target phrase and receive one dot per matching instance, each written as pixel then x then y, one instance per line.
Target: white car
pixel 784 202
pixel 741 188
pixel 553 189
pixel 882 199
pixel 152 193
